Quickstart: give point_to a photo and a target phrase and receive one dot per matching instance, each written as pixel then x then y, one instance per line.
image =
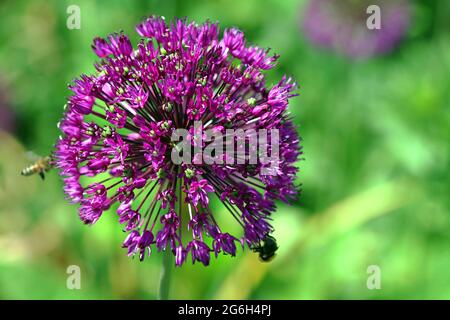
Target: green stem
pixel 164 280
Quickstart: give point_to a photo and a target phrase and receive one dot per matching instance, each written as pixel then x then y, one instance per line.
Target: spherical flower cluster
pixel 342 25
pixel 115 148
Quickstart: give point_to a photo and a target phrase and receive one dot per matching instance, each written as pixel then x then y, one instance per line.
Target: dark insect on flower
pixel 342 25
pixel 116 144
pixel 267 249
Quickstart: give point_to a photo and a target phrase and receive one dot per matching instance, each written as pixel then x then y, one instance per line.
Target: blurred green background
pixel 376 176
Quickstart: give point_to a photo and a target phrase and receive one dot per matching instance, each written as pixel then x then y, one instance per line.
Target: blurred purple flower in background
pixel 116 144
pixel 341 25
pixel 7 114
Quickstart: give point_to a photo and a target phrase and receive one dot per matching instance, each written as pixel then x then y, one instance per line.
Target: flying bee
pixel 267 249
pixel 40 166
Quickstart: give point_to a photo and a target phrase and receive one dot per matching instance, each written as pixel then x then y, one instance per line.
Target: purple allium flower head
pixel 341 25
pixel 115 149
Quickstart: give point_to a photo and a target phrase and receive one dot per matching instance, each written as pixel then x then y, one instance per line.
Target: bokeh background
pixel 376 176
